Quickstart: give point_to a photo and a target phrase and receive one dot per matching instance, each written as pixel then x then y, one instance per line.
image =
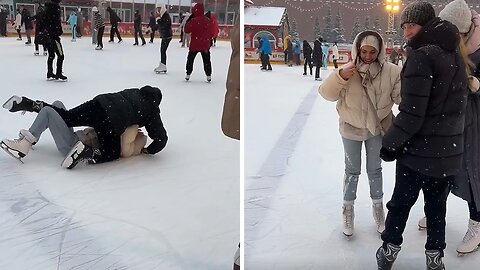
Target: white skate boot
pixel 187 77
pixel 209 78
pixel 422 224
pixel 19 148
pixel 348 217
pixel 36 53
pixel 162 68
pixel 379 216
pixel 471 240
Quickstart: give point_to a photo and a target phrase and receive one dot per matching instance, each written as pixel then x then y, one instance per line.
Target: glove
pixel 388 155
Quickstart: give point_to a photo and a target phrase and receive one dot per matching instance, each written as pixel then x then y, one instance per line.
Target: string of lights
pixel 301 9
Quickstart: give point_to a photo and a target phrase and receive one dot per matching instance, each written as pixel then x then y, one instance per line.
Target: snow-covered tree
pixel 338 32
pixel 357 28
pixel 366 25
pixel 327 30
pixel 376 24
pixel 317 31
pixel 293 30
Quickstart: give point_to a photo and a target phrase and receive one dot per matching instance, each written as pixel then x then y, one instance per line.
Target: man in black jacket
pixel 3 21
pixel 51 37
pixel 426 137
pixel 137 26
pixel 27 21
pixel 165 28
pixel 152 24
pixel 114 20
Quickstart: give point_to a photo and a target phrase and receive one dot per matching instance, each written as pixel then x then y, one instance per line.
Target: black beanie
pixel 418 12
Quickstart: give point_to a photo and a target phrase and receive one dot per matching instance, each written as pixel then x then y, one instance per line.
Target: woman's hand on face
pixel 348 70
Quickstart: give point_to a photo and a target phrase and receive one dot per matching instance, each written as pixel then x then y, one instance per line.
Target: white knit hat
pixel 370 41
pixel 458 13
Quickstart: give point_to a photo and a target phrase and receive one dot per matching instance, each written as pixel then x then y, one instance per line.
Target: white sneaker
pixel 187 77
pixel 379 216
pixel 21 146
pixel 209 78
pixel 348 217
pixel 471 240
pixel 161 68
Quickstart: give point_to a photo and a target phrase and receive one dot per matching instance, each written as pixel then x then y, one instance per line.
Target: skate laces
pixel 348 216
pixel 378 213
pixel 472 233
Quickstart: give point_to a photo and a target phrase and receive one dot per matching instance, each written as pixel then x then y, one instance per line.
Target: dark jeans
pixel 114 31
pixel 286 56
pixel 265 61
pixel 474 213
pixel 36 47
pixel 317 70
pixel 152 34
pixel 100 36
pixel 92 114
pixel 408 184
pixel 138 32
pixel 55 48
pixel 207 65
pixel 308 62
pixel 19 33
pixel 163 50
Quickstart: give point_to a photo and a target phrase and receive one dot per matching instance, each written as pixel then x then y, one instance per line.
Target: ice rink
pixel 178 209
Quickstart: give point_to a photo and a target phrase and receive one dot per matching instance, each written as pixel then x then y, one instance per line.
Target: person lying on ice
pixel 108 114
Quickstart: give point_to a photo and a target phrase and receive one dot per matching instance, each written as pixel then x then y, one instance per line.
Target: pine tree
pixel 317 31
pixel 293 30
pixel 327 30
pixel 376 24
pixel 357 28
pixel 338 32
pixel 367 26
pixel 398 37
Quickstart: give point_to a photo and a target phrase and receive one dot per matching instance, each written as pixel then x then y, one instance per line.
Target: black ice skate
pixel 209 78
pixel 434 260
pixel 16 103
pixel 78 153
pixel 61 78
pixel 386 256
pixel 51 76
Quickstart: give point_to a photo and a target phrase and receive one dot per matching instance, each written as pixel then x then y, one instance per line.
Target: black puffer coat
pixel 317 53
pixel 427 134
pixel 136 106
pixel 307 51
pixel 53 24
pixel 165 25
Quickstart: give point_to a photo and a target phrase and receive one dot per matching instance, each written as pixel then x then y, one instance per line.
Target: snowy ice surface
pixel 178 209
pixel 294 168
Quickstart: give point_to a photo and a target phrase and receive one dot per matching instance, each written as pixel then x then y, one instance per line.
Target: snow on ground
pixel 178 209
pixel 294 168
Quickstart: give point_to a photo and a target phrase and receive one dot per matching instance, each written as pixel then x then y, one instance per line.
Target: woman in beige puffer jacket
pixel 365 90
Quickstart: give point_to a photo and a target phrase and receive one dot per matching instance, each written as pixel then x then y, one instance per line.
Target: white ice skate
pixel 379 216
pixel 162 68
pixel 348 217
pixel 36 53
pixel 98 48
pixel 471 240
pixel 209 78
pixel 45 53
pixel 422 224
pixel 187 77
pixel 19 148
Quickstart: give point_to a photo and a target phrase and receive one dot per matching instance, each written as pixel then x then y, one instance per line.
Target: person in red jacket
pixel 201 29
pixel 213 19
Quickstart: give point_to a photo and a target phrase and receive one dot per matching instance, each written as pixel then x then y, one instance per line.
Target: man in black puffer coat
pixel 114 20
pixel 53 31
pixel 110 115
pixel 426 137
pixel 317 57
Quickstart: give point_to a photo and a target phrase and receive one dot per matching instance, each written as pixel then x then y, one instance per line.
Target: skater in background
pixel 137 25
pixel 265 51
pixel 182 17
pixel 214 21
pixel 79 23
pixel 426 137
pixel 165 28
pixel 297 50
pixel 40 30
pixel 3 21
pixel 27 21
pixel 325 49
pixel 285 47
pixel 466 184
pixel 289 51
pixel 110 115
pixel 363 119
pixel 53 31
pixel 132 140
pixel 152 25
pixel 72 21
pixel 186 36
pixel 335 54
pixel 317 58
pixel 99 26
pixel 231 106
pixel 201 29
pixel 307 56
pixel 114 20
pixel 18 24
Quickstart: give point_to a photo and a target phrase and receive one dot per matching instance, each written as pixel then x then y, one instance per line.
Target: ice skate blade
pixel 461 254
pixel 7 149
pixel 422 228
pixel 161 72
pixel 348 236
pixel 9 103
pixel 69 161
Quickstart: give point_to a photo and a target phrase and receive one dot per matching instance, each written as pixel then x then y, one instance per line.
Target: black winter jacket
pixel 136 106
pixel 27 19
pixel 307 51
pixel 427 134
pixel 317 53
pixel 165 26
pixel 53 24
pixel 137 22
pixel 114 19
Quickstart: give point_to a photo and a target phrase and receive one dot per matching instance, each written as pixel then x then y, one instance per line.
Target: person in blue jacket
pixel 72 20
pixel 265 51
pixel 297 50
pixel 325 48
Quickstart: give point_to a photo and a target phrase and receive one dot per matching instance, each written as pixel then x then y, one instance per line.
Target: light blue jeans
pixel 353 160
pixel 63 135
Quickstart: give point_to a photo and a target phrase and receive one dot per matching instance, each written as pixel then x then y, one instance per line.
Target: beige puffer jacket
pixel 358 118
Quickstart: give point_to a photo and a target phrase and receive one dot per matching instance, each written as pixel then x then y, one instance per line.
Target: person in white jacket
pixel 365 91
pixel 18 24
pixel 335 54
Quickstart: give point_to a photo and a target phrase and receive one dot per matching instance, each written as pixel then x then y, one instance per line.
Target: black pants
pixel 113 31
pixel 408 184
pixel 286 56
pixel 474 213
pixel 79 30
pixel 308 61
pixel 93 115
pixel 36 47
pixel 163 50
pixel 318 66
pixel 55 48
pixel 265 61
pixel 152 34
pixel 3 27
pixel 207 65
pixel 138 32
pixel 19 33
pixel 100 36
